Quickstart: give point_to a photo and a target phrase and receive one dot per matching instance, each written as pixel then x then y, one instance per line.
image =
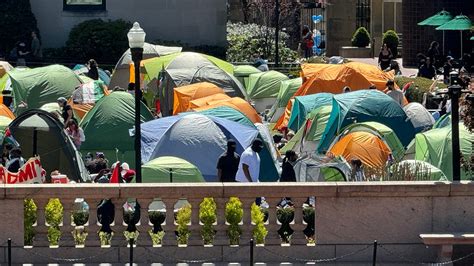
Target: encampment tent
pixel 303 105
pixel 287 89
pixel 6 112
pixel 107 125
pixel 121 75
pixel 263 88
pixel 85 97
pixel 169 169
pixel 317 169
pixel 421 118
pixel 236 103
pixel 186 68
pixel 80 69
pixel 184 94
pixel 419 169
pixel 434 146
pixel 38 86
pixel 39 132
pixel 242 73
pixel 204 101
pixel 366 106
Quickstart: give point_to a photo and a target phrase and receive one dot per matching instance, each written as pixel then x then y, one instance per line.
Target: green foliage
pixel 17 22
pixel 156 238
pixel 285 216
pixel 131 235
pixel 80 234
pixel 309 218
pixel 30 217
pixel 390 37
pixel 183 218
pixel 157 218
pixel 105 238
pixel 80 218
pixel 54 235
pixel 361 37
pixel 247 40
pixel 102 40
pixel 417 89
pixel 54 212
pixel 208 216
pixel 258 218
pixel 233 215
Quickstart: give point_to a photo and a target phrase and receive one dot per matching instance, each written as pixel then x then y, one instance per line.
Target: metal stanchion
pixel 131 251
pixel 374 257
pixel 251 252
pixel 9 252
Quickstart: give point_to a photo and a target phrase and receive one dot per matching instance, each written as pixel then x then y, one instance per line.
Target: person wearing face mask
pixel 287 171
pixel 228 163
pixel 249 166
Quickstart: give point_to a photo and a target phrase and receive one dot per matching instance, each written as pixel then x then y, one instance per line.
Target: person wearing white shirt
pixel 249 165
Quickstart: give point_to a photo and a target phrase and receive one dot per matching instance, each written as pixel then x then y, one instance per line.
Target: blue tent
pixel 82 69
pixel 303 105
pixel 196 138
pixel 268 155
pixel 366 106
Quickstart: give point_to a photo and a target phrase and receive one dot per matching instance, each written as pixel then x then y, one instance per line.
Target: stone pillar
pixel 341 18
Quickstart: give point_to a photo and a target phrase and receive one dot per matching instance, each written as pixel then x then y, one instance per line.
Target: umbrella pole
pixel 461 44
pixel 443 44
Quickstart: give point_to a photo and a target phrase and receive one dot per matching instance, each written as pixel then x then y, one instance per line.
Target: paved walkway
pixel 374 61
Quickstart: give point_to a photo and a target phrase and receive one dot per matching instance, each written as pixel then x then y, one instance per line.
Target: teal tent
pixel 303 105
pixel 287 90
pixel 169 169
pixel 107 127
pixel 443 121
pixel 229 114
pixel 38 86
pixel 366 106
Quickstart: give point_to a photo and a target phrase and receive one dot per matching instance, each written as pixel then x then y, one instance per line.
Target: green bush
pixel 30 215
pixel 157 218
pixel 233 215
pixel 208 216
pixel 390 37
pixel 80 217
pixel 247 40
pixel 309 218
pixel 183 218
pixel 258 218
pixel 17 22
pixel 285 216
pixel 105 238
pixel 417 89
pixel 80 235
pixel 54 217
pixel 361 37
pixel 156 238
pixel 54 235
pixel 102 40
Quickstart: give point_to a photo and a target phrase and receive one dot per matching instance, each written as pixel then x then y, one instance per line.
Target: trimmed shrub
pixel 233 216
pixel 208 216
pixel 258 218
pixel 390 37
pixel 361 37
pixel 54 217
pixel 102 40
pixel 30 219
pixel 183 218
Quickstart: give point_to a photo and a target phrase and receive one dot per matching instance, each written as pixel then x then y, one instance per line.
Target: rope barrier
pixel 213 259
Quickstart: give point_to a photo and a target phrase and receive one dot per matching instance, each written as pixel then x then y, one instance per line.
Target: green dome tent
pixel 243 72
pixel 303 105
pixel 170 169
pixel 38 86
pixel 418 170
pixel 316 168
pixel 287 90
pixel 263 88
pixel 434 147
pixel 106 126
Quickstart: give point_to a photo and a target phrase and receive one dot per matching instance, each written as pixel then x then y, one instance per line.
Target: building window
pixel 363 14
pixel 84 5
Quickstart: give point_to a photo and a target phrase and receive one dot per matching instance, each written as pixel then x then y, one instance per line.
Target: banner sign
pixel 30 173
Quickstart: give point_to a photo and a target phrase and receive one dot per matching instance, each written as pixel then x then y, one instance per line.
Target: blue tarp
pixel 366 106
pixel 303 105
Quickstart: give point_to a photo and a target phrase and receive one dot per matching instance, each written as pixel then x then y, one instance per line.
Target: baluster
pixel 221 238
pixel 170 237
pixel 144 237
pixel 41 237
pixel 247 220
pixel 195 239
pixel 272 225
pixel 66 229
pixel 92 225
pixel 298 237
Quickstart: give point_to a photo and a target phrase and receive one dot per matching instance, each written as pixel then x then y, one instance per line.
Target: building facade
pixel 195 22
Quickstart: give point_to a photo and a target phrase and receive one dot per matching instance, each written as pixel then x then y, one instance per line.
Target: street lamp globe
pixel 136 36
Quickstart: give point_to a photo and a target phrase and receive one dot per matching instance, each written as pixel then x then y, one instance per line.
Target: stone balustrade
pixel 348 216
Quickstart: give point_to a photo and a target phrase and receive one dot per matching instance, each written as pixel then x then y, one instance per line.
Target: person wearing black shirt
pixel 67 113
pixel 228 163
pixel 287 171
pixel 427 70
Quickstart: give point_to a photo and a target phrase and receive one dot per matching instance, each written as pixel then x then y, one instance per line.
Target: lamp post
pixel 136 40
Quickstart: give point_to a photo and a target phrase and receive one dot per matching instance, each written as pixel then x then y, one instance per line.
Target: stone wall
pixel 196 22
pixel 348 218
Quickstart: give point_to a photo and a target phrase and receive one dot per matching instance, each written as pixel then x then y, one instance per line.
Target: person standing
pixel 93 69
pixel 76 133
pixel 307 42
pixel 287 171
pixel 396 94
pixel 385 57
pixel 36 52
pixel 447 68
pixel 228 163
pixel 21 54
pixel 357 170
pixel 67 113
pixel 433 52
pixel 249 165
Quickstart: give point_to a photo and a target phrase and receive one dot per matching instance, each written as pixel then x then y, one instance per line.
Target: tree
pixel 17 22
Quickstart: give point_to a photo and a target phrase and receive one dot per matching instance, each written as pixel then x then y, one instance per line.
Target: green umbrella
pixel 472 38
pixel 459 23
pixel 437 20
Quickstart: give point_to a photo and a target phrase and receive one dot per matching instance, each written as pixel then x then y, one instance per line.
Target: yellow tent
pixel 367 147
pixel 236 103
pixel 183 95
pixel 206 100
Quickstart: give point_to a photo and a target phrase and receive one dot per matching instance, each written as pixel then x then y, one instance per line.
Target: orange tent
pixel 183 95
pixel 367 147
pixel 6 112
pixel 238 104
pixel 206 100
pixel 333 78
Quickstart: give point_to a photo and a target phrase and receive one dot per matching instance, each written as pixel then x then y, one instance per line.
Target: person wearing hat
pixel 67 113
pixel 249 166
pixel 228 163
pixel 396 94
